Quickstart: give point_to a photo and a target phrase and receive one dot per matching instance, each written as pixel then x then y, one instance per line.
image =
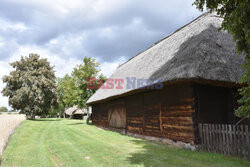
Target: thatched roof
pixel 70 110
pixel 196 51
pixel 80 111
pixel 75 110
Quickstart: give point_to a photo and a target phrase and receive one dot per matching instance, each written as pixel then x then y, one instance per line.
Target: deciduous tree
pixel 72 89
pixel 31 86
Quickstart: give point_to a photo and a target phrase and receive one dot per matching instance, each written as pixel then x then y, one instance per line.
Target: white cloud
pixel 107 68
pixel 62 65
pixel 7 26
pixel 65 31
pixel 4 70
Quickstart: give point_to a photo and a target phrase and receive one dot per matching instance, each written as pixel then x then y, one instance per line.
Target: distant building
pixel 75 113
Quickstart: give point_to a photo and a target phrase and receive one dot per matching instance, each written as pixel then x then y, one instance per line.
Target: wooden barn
pixel 198 69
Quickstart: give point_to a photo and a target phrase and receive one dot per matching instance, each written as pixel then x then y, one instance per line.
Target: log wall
pixel 177 107
pixel 134 109
pixel 100 115
pixel 166 113
pixel 173 112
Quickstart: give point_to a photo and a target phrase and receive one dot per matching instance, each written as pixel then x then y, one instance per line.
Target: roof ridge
pixel 170 34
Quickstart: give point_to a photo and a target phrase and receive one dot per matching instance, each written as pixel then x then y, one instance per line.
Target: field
pixel 72 143
pixel 8 124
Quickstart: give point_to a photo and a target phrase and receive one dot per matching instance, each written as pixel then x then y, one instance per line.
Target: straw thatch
pixel 196 51
pixel 74 110
pixel 80 111
pixel 71 110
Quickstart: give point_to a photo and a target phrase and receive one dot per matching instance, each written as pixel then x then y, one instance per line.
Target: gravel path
pixel 8 124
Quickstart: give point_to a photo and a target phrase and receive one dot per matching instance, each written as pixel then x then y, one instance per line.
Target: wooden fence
pixel 231 140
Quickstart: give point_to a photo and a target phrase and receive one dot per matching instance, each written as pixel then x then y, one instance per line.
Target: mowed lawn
pixel 72 143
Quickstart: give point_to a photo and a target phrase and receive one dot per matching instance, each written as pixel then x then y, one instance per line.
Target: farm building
pixel 197 67
pixel 75 113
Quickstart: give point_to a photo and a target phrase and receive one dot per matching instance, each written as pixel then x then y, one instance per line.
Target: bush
pixel 3 109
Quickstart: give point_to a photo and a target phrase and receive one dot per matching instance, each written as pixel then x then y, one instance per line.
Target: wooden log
pixel 179 123
pixel 177 119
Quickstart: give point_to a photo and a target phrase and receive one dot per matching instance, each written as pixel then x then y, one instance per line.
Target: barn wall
pixel 164 113
pixel 100 115
pixel 214 104
pixel 217 104
pixel 134 109
pixel 173 112
pixel 152 114
pixel 177 106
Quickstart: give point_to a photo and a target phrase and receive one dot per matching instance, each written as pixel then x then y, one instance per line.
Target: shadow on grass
pixel 151 154
pixel 156 154
pixel 79 123
pixel 45 119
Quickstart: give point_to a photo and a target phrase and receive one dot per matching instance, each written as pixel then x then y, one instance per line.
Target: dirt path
pixel 8 124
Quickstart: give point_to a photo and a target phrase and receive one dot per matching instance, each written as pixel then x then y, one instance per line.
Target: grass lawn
pixel 72 143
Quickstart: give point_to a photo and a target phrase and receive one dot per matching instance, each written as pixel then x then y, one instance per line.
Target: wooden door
pixel 117 116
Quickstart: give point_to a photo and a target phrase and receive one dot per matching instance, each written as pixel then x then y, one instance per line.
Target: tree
pixel 236 21
pixel 31 86
pixel 80 75
pixel 65 91
pixel 72 89
pixel 3 109
pixel 244 109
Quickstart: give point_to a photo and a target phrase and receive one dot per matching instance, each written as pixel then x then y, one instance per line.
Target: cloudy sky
pixel 111 31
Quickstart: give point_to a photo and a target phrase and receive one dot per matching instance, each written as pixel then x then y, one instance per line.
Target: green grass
pixel 71 143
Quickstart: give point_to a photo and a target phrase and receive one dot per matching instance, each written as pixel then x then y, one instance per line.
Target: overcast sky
pixel 111 31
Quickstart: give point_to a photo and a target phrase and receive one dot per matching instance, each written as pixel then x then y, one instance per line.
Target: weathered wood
pixel 242 146
pixel 227 139
pixel 230 140
pixel 160 117
pixel 235 141
pixel 247 141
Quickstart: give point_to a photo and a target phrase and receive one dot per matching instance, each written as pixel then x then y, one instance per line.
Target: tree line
pixel 34 90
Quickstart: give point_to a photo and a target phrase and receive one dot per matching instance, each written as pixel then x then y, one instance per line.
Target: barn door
pixel 117 116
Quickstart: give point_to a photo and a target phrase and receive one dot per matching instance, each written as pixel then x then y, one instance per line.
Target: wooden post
pixel 247 142
pixel 214 137
pixel 201 136
pixel 221 138
pixel 242 146
pixel 230 140
pixel 207 137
